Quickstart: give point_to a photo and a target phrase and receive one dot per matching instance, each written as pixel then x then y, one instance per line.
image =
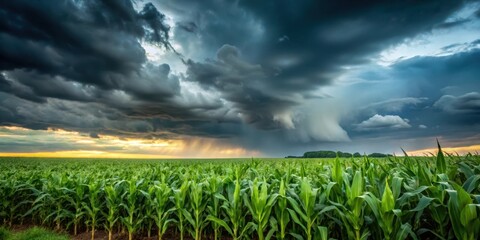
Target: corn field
pixel 435 197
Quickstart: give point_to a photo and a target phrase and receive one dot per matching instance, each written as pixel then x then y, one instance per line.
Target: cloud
pixel 242 84
pixel 314 124
pixel 454 23
pixel 188 26
pixel 379 122
pixel 61 143
pixel 424 78
pixel 92 42
pixel 467 103
pixel 395 104
pixel 18 90
pixel 335 35
pixel 251 73
pixel 94 135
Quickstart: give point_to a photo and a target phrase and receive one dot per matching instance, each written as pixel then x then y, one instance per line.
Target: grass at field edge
pixel 35 233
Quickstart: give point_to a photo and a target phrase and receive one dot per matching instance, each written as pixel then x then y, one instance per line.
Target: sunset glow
pixel 81 145
pixel 475 149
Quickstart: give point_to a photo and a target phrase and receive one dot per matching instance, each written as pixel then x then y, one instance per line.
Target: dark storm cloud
pixel 89 42
pixel 154 83
pixel 467 103
pixel 214 24
pixel 82 66
pixel 297 47
pixel 242 84
pixel 452 24
pixel 460 47
pixel 105 120
pixel 325 35
pixel 44 86
pixel 393 105
pixel 188 26
pixel 89 54
pixel 460 71
pixel 18 90
pixel 322 36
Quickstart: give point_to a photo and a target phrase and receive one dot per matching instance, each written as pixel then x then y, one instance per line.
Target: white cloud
pixel 421 126
pixel 377 122
pixel 313 123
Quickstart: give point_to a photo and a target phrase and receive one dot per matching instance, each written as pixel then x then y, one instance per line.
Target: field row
pixel 389 198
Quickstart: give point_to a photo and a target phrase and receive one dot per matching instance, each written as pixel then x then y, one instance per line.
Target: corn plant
pixel 463 214
pixel 161 204
pixel 388 217
pixel 431 197
pixel 149 209
pixel 260 204
pixel 234 211
pixel 133 218
pixel 198 205
pixel 281 213
pixel 9 193
pixel 113 201
pixel 303 209
pixel 93 205
pixel 215 189
pixel 351 213
pixel 76 200
pixel 180 199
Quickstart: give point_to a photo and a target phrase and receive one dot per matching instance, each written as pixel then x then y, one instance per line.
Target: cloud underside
pixel 467 103
pixel 250 73
pixel 379 122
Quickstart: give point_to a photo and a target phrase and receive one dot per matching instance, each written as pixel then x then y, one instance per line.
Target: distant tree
pixel 320 154
pixel 332 154
pixel 379 155
pixel 344 154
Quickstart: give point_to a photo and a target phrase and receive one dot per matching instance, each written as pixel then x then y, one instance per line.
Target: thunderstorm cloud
pixel 270 77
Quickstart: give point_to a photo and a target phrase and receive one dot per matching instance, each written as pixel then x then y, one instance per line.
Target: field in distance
pixel 434 197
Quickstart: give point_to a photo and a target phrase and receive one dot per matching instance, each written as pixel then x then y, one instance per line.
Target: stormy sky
pixel 213 78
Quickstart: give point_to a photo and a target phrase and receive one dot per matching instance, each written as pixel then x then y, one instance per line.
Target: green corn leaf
pixel 323 232
pixel 441 164
pixel 188 217
pixel 295 218
pixel 471 183
pixel 388 203
pixel 297 236
pixel 468 214
pixel 405 231
pixel 467 170
pixel 396 186
pixel 425 230
pixel 221 223
pixel 422 204
pixel 297 207
pixel 270 234
pixel 357 185
pixel 337 173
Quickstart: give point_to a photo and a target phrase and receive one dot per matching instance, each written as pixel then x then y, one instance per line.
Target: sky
pixel 237 78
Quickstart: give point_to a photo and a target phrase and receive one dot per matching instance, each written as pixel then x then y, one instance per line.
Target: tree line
pixel 333 154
